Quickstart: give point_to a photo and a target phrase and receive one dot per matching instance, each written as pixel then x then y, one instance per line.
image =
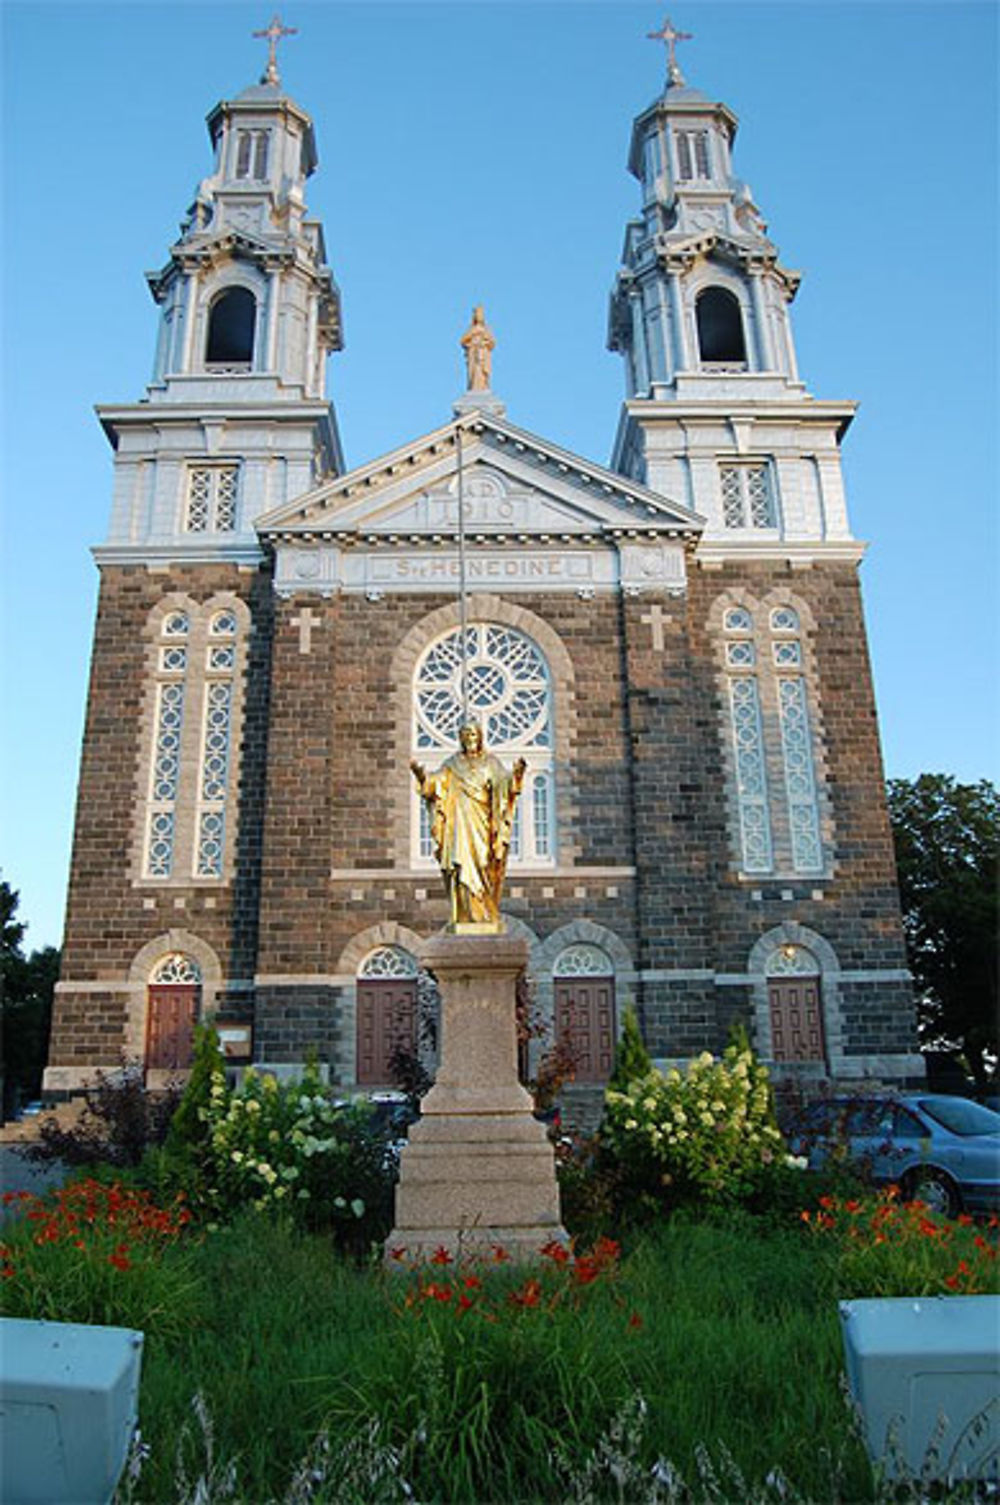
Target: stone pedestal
pixel 478 1169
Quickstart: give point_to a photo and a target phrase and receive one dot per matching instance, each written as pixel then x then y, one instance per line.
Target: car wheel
pixel 936 1189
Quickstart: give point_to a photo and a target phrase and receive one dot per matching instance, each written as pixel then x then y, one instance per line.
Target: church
pixel 672 641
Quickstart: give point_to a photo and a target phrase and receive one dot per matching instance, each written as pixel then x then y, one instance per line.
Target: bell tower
pixel 235 420
pixel 715 413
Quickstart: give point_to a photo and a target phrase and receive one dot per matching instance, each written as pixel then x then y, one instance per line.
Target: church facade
pixel 672 642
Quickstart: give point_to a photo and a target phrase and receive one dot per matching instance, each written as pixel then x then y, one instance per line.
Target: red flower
pixel 120 1261
pixel 827 1202
pixel 398 1253
pixel 852 1206
pixel 555 1251
pixel 964 1219
pixel 464 1303
pixel 441 1256
pixel 635 1321
pixel 606 1251
pixel 434 1292
pixel 586 1269
pixel 530 1294
pixel 500 1255
pixel 472 1283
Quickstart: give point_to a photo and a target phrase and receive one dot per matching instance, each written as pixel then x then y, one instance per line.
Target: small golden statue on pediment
pixel 471 801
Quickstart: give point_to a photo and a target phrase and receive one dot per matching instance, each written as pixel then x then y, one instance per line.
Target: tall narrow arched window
pixel 165 771
pixel 195 716
pixel 217 718
pixel 231 329
pixel 796 741
pixel 720 328
pixel 510 695
pixel 749 757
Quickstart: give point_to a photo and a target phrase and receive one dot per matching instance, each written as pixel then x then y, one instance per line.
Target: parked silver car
pixel 943 1150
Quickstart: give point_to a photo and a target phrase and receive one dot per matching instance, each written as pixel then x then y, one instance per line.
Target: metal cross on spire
pixel 274 32
pixel 670 38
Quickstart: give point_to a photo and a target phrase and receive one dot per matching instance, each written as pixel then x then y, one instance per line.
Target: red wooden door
pixel 585 1023
pixel 386 1019
pixel 796 1019
pixel 173 1013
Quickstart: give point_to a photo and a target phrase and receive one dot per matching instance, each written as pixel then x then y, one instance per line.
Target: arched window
pixel 176 969
pixel 217 718
pixel 165 772
pixel 190 814
pixel 770 725
pixel 510 695
pixel 748 742
pixel 720 328
pixel 388 961
pixel 796 742
pixel 231 329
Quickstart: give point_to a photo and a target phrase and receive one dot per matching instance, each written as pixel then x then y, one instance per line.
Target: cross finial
pixel 670 37
pixel 274 31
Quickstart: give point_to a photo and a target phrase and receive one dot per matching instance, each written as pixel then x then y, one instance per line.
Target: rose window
pixel 509 695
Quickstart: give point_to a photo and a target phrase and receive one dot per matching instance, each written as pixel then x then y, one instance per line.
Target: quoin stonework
pixel 673 641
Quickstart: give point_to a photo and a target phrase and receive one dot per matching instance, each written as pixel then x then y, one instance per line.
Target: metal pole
pixel 462 604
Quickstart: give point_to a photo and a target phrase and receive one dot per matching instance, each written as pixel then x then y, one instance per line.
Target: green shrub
pixel 632 1060
pixel 188 1134
pixel 286 1147
pixel 122 1120
pixel 707 1134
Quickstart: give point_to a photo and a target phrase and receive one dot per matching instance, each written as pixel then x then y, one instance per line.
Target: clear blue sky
pixel 476 152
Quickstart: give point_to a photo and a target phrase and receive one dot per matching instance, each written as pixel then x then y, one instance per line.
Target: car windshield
pixel 961 1116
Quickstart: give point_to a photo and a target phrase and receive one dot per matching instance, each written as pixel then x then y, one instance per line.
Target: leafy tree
pixel 947 838
pixel 26 987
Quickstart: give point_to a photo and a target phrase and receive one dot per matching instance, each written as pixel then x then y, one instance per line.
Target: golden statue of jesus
pixel 471 802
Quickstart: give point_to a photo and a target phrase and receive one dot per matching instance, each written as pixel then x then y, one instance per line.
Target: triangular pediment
pixel 513 484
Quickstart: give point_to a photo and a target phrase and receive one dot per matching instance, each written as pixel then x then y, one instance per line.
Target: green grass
pixel 714 1339
pixel 738 1348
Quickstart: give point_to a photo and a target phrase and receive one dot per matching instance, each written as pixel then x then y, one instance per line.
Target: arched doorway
pixel 584 989
pixel 795 1002
pixel 386 1013
pixel 174 1003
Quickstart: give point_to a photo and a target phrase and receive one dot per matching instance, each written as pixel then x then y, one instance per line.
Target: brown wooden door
pixel 173 1013
pixel 585 1023
pixel 796 1019
pixel 386 1018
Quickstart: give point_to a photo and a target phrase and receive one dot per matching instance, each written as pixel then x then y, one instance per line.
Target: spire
pixel 274 31
pixel 700 295
pixel 670 38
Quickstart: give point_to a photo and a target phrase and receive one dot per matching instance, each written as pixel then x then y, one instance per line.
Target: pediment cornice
pixel 404 495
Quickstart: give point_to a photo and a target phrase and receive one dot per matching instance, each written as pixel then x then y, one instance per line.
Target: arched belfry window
pixel 231 329
pixel 510 695
pixel 720 328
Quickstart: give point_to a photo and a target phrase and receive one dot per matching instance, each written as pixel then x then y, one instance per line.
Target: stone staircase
pixel 581 1106
pixel 26 1130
